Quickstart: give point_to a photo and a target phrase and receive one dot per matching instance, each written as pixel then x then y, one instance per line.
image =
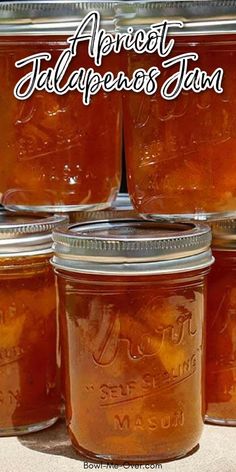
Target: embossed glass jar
pixel 30 397
pixel 56 154
pixel 181 153
pixel 131 307
pixel 221 328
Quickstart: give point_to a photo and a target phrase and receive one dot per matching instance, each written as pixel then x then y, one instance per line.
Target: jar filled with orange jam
pixel 30 396
pixel 56 153
pixel 181 153
pixel 221 328
pixel 131 308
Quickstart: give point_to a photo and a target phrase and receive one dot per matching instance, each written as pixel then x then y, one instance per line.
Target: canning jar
pixel 56 153
pixel 181 153
pixel 131 308
pixel 221 328
pixel 30 396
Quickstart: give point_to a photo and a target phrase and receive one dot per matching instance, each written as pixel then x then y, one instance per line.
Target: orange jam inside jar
pixel 181 153
pixel 30 397
pixel 56 153
pixel 131 309
pixel 221 328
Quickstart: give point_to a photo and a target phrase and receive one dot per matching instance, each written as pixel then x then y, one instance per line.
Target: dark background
pixel 123 188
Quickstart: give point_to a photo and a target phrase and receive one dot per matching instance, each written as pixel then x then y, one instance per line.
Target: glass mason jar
pixel 221 328
pixel 181 153
pixel 56 153
pixel 131 313
pixel 30 397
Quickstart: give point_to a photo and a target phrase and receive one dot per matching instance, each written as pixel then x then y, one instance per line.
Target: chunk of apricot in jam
pixel 132 352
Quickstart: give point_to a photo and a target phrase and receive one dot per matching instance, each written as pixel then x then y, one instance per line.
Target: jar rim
pixel 198 262
pixel 224 234
pixel 200 17
pixel 51 17
pixel 57 17
pixel 27 234
pixel 121 208
pixel 132 246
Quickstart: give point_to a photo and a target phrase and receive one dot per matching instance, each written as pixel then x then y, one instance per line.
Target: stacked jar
pixel 180 153
pixel 30 397
pixel 221 328
pixel 57 154
pixel 131 305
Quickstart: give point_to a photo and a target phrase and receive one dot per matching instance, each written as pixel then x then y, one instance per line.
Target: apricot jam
pixel 221 328
pixel 181 153
pixel 56 153
pixel 29 365
pixel 131 318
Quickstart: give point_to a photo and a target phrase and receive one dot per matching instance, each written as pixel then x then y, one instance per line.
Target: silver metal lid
pixel 22 235
pixel 224 235
pixel 198 16
pixel 121 208
pixel 132 247
pixel 51 17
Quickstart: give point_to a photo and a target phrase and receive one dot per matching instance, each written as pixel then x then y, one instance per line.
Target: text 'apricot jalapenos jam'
pixel 181 153
pixel 132 312
pixel 221 328
pixel 29 364
pixel 56 153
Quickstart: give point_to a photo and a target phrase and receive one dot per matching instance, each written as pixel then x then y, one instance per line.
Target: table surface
pixel 50 451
